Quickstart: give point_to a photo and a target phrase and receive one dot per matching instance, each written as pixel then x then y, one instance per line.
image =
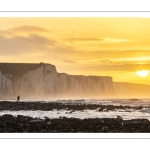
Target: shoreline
pixel 22 123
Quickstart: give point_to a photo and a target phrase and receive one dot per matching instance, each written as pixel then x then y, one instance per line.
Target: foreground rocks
pixel 23 124
pixel 15 106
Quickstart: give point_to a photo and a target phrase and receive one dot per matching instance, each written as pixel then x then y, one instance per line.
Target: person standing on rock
pixel 18 98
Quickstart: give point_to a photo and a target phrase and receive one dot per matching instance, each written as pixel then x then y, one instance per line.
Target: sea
pixel 126 114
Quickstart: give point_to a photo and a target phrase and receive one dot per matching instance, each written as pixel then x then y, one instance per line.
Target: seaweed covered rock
pixel 23 124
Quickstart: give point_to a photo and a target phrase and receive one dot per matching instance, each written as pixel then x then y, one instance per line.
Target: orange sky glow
pixel 116 47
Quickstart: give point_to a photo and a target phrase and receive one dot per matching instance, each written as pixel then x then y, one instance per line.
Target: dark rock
pixel 21 124
pixel 105 129
pixel 48 123
pixel 15 106
pixel 118 117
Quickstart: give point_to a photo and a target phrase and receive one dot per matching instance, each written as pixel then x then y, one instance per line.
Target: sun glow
pixel 142 73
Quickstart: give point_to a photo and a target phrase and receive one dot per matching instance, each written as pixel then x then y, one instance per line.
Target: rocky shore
pixel 16 106
pixel 23 124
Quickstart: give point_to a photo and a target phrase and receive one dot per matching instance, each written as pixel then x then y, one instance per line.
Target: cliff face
pixel 40 81
pixel 85 85
pixel 5 85
pixel 43 79
pixel 123 89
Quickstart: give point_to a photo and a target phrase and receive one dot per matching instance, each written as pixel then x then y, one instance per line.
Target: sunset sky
pixel 116 47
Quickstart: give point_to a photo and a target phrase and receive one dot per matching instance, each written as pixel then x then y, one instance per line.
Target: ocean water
pixel 126 114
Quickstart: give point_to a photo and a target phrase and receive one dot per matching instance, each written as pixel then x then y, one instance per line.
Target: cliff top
pixel 78 76
pixel 15 70
pixel 127 83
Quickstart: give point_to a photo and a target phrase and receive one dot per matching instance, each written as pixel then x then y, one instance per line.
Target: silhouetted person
pixel 18 98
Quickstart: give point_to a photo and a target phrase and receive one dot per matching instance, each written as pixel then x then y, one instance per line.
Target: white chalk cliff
pixel 5 85
pixel 85 85
pixel 124 89
pixel 44 80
